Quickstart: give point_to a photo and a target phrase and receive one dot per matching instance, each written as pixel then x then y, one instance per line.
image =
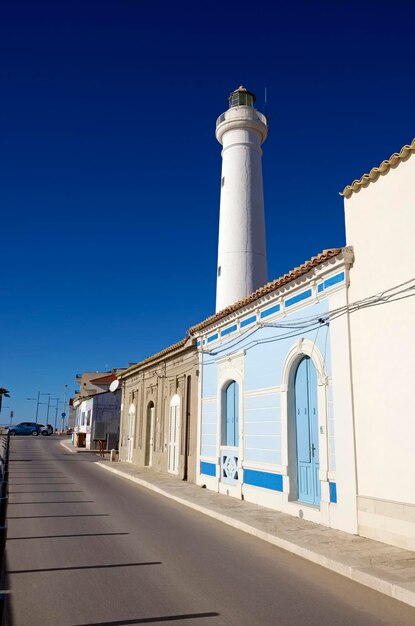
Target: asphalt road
pixel 86 548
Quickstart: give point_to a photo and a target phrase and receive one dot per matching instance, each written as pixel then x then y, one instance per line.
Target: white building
pixel 380 225
pixel 305 383
pixel 98 419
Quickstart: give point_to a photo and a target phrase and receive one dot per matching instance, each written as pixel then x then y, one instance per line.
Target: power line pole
pixel 56 411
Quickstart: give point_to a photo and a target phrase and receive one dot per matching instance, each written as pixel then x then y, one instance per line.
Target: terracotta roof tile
pixel 154 357
pixel 269 287
pixel 104 379
pixel 383 168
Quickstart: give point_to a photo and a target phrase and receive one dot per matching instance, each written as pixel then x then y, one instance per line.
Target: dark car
pixel 25 428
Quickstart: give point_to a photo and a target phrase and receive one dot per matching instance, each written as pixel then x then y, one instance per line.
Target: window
pixel 230 417
pixel 241 98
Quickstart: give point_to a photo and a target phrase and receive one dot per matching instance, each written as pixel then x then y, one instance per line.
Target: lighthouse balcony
pixel 241 113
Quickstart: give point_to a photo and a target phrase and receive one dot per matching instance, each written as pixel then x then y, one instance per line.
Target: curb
pixel 65 445
pixel 68 446
pixel 393 590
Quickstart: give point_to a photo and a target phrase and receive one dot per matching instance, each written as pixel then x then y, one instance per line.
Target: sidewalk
pixel 384 568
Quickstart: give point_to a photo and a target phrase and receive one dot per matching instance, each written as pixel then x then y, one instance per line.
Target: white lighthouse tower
pixel 242 261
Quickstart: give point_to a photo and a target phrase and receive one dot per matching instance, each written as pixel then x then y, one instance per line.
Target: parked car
pixel 46 430
pixel 25 428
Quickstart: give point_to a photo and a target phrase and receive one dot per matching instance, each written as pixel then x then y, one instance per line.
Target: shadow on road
pixel 151 620
pixel 63 536
pixel 50 491
pixel 79 567
pixel 52 502
pixel 74 515
pixel 39 482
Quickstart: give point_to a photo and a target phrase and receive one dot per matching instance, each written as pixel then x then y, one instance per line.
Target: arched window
pixel 230 418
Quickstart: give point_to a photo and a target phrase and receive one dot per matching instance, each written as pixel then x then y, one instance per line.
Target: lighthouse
pixel 242 261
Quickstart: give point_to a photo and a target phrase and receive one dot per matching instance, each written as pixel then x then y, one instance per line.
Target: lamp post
pixel 39 393
pixel 47 412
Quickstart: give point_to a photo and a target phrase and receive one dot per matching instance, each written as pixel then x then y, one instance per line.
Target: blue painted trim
pixel 198 343
pixel 338 278
pixel 212 337
pixel 333 492
pixel 300 296
pixel 333 280
pixel 207 468
pixel 248 320
pixel 263 479
pixel 270 311
pixel 228 330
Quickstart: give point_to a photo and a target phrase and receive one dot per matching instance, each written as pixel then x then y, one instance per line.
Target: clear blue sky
pixel 110 170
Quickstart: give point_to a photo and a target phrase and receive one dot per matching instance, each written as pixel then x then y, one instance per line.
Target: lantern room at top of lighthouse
pixel 241 114
pixel 241 97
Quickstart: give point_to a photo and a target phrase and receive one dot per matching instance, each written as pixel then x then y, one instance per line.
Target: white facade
pixel 98 418
pixel 242 264
pixel 380 225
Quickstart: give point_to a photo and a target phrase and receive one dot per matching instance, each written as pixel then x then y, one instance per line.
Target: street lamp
pixel 39 393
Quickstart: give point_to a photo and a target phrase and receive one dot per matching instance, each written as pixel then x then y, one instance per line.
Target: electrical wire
pixel 311 323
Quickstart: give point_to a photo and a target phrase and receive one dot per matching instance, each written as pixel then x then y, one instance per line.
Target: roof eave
pixel 383 169
pixel 177 348
pixel 284 280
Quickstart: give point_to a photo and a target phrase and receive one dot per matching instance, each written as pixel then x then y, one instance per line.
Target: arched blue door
pixel 306 417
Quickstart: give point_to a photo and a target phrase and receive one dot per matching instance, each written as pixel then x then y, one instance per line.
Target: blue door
pixel 306 416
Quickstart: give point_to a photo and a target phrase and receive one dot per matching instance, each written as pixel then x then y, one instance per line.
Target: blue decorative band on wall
pixel 270 311
pixel 263 479
pixel 333 280
pixel 300 296
pixel 333 492
pixel 207 468
pixel 228 330
pixel 248 320
pixel 212 337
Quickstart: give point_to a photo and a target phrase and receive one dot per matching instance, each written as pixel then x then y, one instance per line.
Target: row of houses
pixel 298 396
